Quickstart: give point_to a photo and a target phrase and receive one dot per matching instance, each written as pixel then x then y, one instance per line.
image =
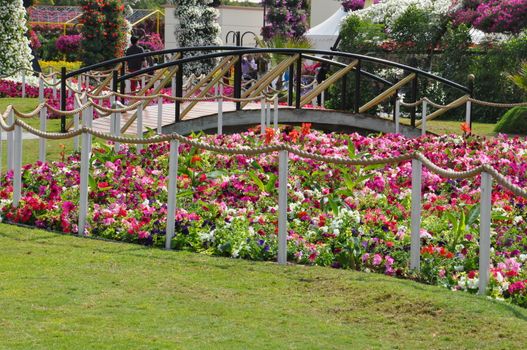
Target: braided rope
pixel 30 114
pixel 496 104
pixel 72 112
pixel 451 174
pixel 410 104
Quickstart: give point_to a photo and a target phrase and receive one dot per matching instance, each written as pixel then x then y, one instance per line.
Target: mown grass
pixel 54 148
pixel 62 292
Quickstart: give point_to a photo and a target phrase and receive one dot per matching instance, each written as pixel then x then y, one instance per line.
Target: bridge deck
pixel 150 115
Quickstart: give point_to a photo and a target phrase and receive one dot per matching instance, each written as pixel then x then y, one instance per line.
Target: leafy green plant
pixel 514 121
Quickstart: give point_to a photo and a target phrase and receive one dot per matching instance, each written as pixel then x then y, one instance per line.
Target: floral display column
pixel 15 52
pixel 104 30
pixel 285 18
pixel 196 26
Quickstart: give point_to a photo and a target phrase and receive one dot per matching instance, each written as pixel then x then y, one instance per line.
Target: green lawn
pixel 441 127
pixel 62 292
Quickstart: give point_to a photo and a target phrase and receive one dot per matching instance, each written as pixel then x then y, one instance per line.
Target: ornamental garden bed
pixel 344 217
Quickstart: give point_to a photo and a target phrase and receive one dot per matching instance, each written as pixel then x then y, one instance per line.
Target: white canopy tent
pixel 323 36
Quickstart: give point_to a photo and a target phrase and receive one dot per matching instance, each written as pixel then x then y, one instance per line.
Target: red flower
pixel 269 134
pixel 294 135
pixel 306 129
pixel 465 128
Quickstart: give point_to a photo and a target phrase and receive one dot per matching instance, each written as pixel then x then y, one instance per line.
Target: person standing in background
pixel 134 64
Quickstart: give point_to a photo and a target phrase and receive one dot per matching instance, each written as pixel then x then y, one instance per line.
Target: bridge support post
pixel 413 98
pixel 122 85
pixel 262 116
pixel 220 115
pixel 172 193
pixel 238 81
pixel 290 85
pixel 471 79
pixel 484 231
pixel 275 121
pixel 344 94
pixel 179 91
pixel 357 86
pixel 424 116
pixel 139 132
pixel 298 78
pixel 415 219
pixel 283 157
pixel 397 114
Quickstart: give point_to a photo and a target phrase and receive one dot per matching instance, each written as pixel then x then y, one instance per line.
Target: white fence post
pixel 159 111
pixel 23 83
pixel 323 99
pixel 17 174
pixel 143 82
pixel 42 142
pixel 424 116
pixel 484 231
pixel 262 116
pixel 314 102
pixel 275 121
pixel 112 122
pixel 397 115
pixel 468 112
pixel 173 87
pixel 415 220
pixel 128 87
pixel 10 142
pixel 117 129
pixel 84 175
pixel 268 114
pixel 54 87
pixel 283 157
pixel 220 115
pixel 139 147
pixel 76 124
pixel 172 192
pixel 42 115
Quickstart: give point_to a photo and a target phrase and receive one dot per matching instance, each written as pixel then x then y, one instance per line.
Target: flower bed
pixel 346 217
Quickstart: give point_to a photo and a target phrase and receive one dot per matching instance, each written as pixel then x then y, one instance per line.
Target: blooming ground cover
pixel 339 216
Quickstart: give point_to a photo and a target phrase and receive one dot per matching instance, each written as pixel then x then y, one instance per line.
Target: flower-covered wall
pixel 197 26
pixel 15 52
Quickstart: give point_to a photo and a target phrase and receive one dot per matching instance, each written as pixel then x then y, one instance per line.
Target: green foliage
pixel 513 122
pixel 520 79
pixel 359 35
pixel 415 28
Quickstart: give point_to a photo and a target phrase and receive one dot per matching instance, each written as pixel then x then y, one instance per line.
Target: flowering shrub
pixel 340 216
pixel 285 18
pixel 153 42
pixel 501 16
pixel 56 66
pixel 15 52
pixel 68 43
pixel 34 40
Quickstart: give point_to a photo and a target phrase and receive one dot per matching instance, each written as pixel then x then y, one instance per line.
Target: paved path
pixel 150 115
